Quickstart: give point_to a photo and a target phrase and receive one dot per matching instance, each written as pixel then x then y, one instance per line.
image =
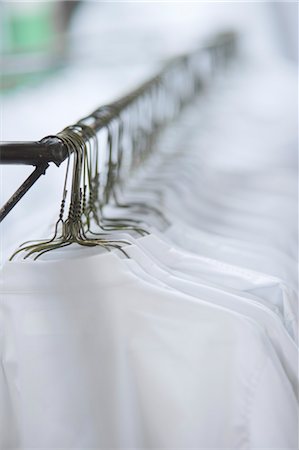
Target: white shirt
pixel 269 289
pixel 102 359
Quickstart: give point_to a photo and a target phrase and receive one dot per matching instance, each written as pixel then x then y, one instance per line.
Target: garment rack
pixel 52 149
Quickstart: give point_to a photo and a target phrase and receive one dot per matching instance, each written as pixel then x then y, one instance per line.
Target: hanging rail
pixel 51 149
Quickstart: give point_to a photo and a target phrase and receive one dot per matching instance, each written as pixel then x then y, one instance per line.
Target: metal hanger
pixel 74 229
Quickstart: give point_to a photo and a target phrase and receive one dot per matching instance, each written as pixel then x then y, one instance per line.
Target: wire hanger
pixel 82 201
pixel 132 125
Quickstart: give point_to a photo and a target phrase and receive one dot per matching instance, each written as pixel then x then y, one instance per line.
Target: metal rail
pixel 52 149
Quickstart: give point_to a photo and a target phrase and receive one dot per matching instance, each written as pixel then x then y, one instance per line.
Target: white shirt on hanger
pixel 104 359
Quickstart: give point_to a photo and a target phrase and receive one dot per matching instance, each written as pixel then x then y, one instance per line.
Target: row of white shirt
pixel 188 343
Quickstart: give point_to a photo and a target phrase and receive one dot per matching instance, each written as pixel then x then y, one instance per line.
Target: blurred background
pixel 79 54
pixel 60 60
pixel 39 37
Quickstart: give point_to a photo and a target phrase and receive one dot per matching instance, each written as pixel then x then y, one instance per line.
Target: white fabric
pixel 192 342
pixel 147 257
pixel 104 360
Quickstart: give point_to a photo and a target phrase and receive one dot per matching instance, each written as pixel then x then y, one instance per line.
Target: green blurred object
pixel 28 27
pixel 33 40
pixel 31 30
pixel 28 36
